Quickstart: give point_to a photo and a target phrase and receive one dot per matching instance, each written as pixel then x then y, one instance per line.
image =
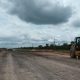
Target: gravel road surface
pixel 27 66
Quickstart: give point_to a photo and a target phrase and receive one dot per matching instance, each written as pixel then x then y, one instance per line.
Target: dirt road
pixel 17 66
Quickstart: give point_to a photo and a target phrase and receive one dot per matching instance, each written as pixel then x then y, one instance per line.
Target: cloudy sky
pixel 33 22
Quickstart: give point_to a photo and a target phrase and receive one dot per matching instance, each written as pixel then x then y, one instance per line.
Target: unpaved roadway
pixel 27 66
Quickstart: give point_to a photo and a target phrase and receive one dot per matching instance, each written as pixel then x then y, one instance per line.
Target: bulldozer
pixel 75 48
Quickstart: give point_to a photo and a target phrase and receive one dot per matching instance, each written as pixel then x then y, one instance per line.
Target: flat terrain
pixel 34 66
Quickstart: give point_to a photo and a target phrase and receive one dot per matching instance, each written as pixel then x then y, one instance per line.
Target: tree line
pixel 64 46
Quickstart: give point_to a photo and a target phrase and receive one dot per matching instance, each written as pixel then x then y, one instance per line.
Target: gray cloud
pixel 12 42
pixel 76 23
pixel 41 13
pixel 15 32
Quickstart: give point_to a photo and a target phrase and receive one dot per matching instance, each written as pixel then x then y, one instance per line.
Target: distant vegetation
pixel 65 46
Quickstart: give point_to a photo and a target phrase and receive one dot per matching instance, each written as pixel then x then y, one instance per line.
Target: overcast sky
pixel 33 22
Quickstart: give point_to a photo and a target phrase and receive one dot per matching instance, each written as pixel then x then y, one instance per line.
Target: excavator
pixel 75 48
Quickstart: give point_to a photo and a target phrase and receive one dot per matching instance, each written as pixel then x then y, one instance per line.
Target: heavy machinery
pixel 75 48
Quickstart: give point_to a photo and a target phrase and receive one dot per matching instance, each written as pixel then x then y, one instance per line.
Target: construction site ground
pixel 36 65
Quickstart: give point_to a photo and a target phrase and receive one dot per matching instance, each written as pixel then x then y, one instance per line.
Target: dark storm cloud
pixel 32 11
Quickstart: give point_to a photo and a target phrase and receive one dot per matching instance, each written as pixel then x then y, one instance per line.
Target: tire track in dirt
pixel 9 68
pixel 26 70
pixel 3 56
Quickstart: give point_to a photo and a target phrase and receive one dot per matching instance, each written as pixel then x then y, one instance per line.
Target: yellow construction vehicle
pixel 75 48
